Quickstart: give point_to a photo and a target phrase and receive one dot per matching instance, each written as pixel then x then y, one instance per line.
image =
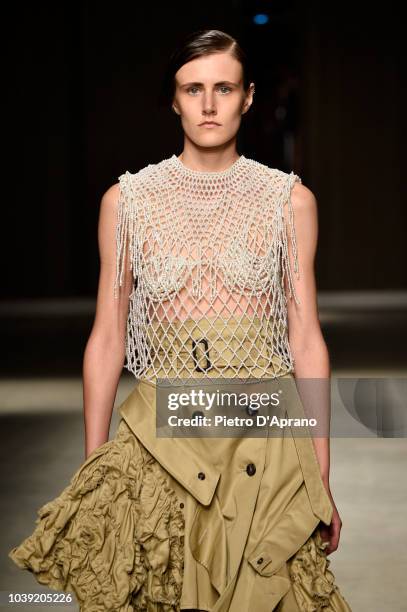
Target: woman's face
pixel 210 88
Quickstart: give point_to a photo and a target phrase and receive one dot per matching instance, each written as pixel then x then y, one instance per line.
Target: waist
pixel 210 347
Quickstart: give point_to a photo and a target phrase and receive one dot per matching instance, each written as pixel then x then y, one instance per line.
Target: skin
pixel 307 343
pixel 207 88
pixel 210 88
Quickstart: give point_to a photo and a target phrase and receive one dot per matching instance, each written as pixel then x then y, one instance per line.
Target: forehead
pixel 210 69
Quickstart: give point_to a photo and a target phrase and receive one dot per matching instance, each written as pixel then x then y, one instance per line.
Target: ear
pixel 175 109
pixel 249 99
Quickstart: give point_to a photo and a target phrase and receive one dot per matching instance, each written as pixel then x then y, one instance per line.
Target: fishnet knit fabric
pixel 206 246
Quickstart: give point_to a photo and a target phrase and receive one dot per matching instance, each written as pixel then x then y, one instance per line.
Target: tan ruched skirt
pixel 170 524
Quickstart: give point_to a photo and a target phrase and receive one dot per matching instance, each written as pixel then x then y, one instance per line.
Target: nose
pixel 209 105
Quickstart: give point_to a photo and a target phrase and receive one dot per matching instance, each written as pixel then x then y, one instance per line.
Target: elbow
pixel 309 344
pixel 106 345
pixel 311 358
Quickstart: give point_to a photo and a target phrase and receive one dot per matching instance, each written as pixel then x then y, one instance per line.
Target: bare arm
pixel 307 344
pixel 105 350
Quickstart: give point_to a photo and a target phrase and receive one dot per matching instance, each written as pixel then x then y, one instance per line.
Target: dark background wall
pixel 81 83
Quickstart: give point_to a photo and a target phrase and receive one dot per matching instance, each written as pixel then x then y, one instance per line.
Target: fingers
pixel 335 532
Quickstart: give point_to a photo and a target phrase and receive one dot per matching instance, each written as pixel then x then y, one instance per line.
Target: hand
pixel 332 532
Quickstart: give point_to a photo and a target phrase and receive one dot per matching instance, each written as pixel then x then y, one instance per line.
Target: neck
pixel 208 159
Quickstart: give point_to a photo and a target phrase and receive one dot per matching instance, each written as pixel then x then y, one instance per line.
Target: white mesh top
pixel 209 255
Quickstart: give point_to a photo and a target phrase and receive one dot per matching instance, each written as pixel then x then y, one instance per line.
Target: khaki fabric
pixel 240 530
pixel 139 528
pixel 251 542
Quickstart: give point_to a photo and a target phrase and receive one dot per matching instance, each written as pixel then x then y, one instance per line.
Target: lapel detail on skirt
pixel 176 455
pixel 207 536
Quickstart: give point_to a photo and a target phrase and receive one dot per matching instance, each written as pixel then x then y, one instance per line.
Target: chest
pixel 229 240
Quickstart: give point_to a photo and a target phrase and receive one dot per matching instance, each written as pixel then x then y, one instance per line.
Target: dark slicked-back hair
pixel 198 44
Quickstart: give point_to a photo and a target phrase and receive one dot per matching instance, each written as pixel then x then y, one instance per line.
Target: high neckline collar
pixel 235 167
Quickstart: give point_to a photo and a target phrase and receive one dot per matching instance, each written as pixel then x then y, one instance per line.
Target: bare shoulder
pixel 109 204
pixel 111 196
pixel 303 199
pixel 108 208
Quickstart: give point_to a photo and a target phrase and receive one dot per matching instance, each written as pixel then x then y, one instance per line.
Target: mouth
pixel 209 124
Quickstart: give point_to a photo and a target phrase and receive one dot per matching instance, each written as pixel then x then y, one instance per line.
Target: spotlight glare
pixel 260 19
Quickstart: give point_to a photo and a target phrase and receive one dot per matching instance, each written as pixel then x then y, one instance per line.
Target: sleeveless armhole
pixel 288 234
pixel 124 232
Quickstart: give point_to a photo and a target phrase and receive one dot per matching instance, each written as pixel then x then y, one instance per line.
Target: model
pixel 206 265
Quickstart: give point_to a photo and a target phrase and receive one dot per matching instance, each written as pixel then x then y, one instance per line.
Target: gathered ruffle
pixel 312 581
pixel 114 536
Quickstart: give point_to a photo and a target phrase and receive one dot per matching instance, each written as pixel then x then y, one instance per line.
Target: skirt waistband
pixel 243 347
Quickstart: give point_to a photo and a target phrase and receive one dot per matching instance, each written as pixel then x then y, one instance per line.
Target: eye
pixel 224 89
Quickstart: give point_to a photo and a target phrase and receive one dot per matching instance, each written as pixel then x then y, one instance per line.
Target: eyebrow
pixel 195 83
